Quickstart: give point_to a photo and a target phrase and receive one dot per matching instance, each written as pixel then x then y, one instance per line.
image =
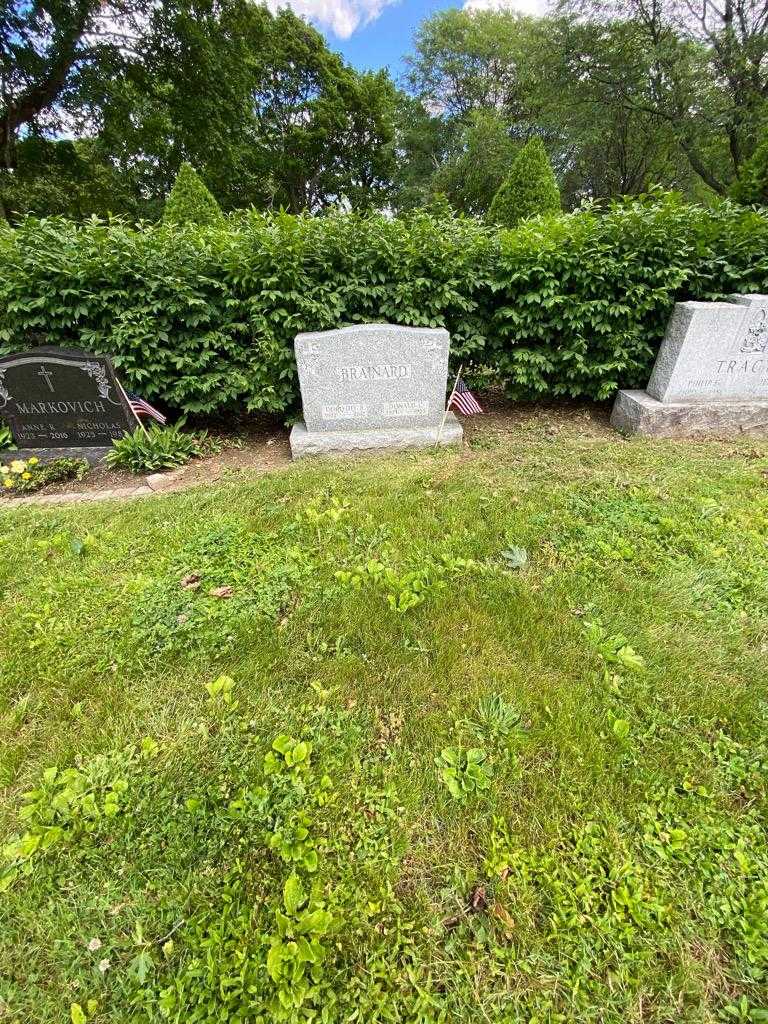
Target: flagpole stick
pixel 448 406
pixel 127 402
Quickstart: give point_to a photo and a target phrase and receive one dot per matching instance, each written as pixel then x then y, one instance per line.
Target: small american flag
pixel 463 401
pixel 141 407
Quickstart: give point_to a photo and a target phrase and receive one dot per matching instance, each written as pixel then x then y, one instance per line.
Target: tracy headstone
pixel 710 375
pixel 373 386
pixel 63 401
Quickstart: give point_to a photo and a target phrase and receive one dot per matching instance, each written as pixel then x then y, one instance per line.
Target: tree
pixel 477 73
pixel 703 67
pixel 48 53
pixel 190 202
pixel 257 102
pixel 624 93
pixel 64 177
pixel 289 124
pixel 751 186
pixel 366 164
pixel 481 161
pixel 422 140
pixel 321 130
pixel 173 103
pixel 529 189
pixel 495 80
pixel 606 146
pixel 472 60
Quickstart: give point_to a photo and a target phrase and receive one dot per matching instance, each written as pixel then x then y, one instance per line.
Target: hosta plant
pixel 6 437
pixel 158 448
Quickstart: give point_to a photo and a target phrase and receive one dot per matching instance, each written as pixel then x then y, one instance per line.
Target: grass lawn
pixel 393 773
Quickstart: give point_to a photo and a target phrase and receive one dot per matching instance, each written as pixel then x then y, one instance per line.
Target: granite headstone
pixel 62 401
pixel 373 386
pixel 710 375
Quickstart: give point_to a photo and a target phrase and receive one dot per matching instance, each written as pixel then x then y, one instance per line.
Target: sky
pixel 373 34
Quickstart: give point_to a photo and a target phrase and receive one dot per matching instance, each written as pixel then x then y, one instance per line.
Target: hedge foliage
pixel 203 318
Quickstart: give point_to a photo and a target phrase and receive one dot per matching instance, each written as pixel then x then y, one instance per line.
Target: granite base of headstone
pixel 710 376
pixel 93 456
pixel 371 387
pixel 62 403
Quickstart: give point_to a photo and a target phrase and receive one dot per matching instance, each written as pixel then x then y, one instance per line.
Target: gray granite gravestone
pixel 62 402
pixel 373 386
pixel 710 376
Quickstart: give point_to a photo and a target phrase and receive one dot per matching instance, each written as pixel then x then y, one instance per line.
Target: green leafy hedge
pixel 203 318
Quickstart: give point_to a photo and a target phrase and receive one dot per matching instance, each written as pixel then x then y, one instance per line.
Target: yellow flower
pixel 7 482
pixel 33 461
pixel 26 476
pixel 18 466
pixel 4 470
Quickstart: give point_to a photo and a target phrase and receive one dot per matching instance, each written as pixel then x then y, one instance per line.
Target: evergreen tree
pixel 751 186
pixel 530 188
pixel 190 202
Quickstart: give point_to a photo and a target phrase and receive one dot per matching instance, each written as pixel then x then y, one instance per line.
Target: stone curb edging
pixel 153 484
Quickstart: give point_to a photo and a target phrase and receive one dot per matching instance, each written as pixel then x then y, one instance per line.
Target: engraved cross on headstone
pixel 46 374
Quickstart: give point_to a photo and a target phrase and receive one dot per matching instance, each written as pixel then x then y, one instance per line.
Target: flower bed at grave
pixel 25 476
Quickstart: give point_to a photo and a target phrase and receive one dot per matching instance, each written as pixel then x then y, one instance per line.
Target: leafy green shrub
pixel 203 319
pixel 190 202
pixel 147 451
pixel 530 188
pixel 25 476
pixel 751 186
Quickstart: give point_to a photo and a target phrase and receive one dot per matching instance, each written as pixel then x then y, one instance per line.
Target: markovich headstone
pixel 710 376
pixel 62 401
pixel 373 386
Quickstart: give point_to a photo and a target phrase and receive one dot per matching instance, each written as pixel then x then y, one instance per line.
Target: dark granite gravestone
pixel 63 400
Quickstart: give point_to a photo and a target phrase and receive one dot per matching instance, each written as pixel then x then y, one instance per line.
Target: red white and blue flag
pixel 141 407
pixel 463 401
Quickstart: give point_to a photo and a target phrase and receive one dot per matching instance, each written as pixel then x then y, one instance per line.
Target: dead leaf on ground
pixel 504 918
pixel 190 582
pixel 286 611
pixel 221 592
pixel 449 923
pixel 478 899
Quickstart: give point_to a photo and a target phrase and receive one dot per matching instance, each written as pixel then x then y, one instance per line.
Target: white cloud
pixel 520 6
pixel 342 17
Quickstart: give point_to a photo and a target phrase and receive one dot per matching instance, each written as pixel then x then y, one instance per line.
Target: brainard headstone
pixel 62 401
pixel 373 386
pixel 710 376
